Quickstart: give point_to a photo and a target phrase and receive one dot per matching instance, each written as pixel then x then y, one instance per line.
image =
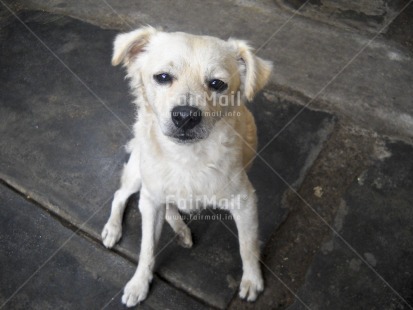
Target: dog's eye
pixel 163 78
pixel 217 85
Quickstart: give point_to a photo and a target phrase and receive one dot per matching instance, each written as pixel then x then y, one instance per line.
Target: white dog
pixel 194 140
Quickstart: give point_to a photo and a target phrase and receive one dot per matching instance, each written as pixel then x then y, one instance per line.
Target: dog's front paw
pixel 111 234
pixel 135 292
pixel 251 286
pixel 184 238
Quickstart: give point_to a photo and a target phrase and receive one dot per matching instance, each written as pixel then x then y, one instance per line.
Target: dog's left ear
pixel 254 71
pixel 129 45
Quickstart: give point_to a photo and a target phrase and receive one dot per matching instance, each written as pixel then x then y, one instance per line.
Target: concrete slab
pixel 81 275
pixel 366 16
pixel 63 147
pixel 375 219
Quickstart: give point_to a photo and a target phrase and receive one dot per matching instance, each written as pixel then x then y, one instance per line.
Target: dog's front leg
pixel 153 216
pixel 244 212
pixel 130 183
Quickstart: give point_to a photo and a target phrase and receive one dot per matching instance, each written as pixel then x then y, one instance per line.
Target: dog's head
pixel 189 82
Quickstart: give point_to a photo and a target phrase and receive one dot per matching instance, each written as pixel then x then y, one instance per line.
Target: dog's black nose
pixel 186 117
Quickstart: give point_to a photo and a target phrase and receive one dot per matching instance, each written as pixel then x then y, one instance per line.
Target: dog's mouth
pixel 185 137
pixel 182 136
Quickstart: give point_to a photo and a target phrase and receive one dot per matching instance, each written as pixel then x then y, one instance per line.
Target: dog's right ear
pixel 129 45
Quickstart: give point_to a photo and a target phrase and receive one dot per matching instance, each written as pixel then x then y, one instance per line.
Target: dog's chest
pixel 189 181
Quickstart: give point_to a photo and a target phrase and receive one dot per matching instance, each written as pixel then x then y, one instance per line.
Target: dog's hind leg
pixel 153 216
pixel 178 225
pixel 130 184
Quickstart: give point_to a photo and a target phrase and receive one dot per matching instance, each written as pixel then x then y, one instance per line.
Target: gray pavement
pixel 60 269
pixel 368 263
pixel 65 115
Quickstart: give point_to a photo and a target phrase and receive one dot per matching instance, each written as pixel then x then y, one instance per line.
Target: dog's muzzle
pixel 185 118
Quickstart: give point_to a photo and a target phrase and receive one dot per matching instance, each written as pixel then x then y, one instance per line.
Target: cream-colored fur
pixel 173 174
